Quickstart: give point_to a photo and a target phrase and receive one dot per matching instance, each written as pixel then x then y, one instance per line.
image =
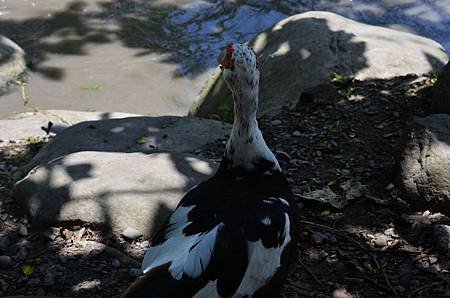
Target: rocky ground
pixel 339 146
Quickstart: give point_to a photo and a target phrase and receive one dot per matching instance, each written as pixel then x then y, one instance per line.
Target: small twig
pixel 339 232
pixel 112 252
pixel 386 278
pixel 427 286
pixel 377 284
pixel 23 92
pixel 374 259
pixel 310 272
pixel 320 226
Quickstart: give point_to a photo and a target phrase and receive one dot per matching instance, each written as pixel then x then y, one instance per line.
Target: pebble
pixel 296 133
pixel 4 241
pixel 275 122
pixel 5 262
pixel 4 216
pixel 295 162
pixel 131 233
pixel 345 172
pixel 115 263
pixel 145 244
pixel 390 186
pixel 432 259
pixel 136 272
pixel 318 238
pixel 381 239
pixel 23 231
pixel 341 293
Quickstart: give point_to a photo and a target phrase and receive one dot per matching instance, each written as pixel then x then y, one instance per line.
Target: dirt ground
pixel 343 141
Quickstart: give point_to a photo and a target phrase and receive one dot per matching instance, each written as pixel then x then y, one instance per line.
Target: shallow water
pixel 152 57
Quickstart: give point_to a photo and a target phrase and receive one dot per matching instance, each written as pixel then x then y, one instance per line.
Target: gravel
pixel 131 233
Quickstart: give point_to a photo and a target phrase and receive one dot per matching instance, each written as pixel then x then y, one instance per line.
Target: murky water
pixel 152 57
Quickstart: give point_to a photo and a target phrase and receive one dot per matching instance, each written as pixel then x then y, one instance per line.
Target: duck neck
pixel 246 146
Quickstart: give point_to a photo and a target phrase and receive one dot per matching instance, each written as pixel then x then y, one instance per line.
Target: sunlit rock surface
pixel 113 189
pixel 12 61
pixel 303 51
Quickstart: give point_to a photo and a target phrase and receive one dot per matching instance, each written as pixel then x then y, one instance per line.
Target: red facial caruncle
pixel 227 61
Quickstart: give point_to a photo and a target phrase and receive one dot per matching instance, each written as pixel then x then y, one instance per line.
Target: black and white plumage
pixel 234 234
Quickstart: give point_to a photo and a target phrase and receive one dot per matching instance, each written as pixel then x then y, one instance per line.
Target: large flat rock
pixel 133 134
pixel 118 173
pixel 113 189
pixel 303 51
pixel 12 61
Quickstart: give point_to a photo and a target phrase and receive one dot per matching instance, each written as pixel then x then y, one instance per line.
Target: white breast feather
pixel 176 249
pixel 263 263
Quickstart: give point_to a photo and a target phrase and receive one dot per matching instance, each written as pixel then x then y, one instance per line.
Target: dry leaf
pixel 27 270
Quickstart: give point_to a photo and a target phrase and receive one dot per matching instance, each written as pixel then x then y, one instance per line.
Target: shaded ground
pixel 368 248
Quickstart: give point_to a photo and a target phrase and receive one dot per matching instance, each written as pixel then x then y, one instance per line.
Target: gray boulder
pixel 442 238
pixel 302 52
pixel 12 61
pixel 440 101
pixel 113 189
pixel 118 173
pixel 133 134
pixel 424 173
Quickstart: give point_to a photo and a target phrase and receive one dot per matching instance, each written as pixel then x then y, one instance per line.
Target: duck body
pixel 234 234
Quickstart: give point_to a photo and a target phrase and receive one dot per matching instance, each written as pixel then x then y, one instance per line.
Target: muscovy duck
pixel 234 234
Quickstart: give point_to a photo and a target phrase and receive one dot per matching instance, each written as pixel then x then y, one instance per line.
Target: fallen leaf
pixel 325 195
pixel 368 265
pixel 325 212
pixel 332 182
pixel 141 140
pixel 92 88
pixel 27 270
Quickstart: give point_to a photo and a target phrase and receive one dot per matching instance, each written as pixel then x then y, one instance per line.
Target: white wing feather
pixel 187 254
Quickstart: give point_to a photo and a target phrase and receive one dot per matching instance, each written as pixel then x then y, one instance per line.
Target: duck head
pixel 240 70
